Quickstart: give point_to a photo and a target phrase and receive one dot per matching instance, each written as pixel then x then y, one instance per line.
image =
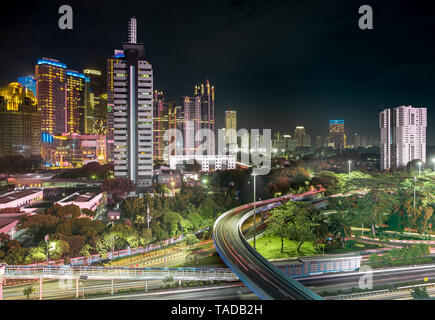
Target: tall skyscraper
pixel 51 86
pixel 402 136
pixel 299 136
pixel 231 129
pixel 62 97
pixel 199 114
pixel 77 102
pixel 95 113
pixel 110 102
pixel 20 127
pixel 160 123
pixel 133 112
pixel 336 134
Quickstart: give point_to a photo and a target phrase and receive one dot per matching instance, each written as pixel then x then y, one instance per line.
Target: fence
pixel 77 261
pixel 104 273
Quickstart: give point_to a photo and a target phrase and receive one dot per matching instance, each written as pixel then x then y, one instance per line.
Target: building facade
pixel 133 113
pixel 20 128
pixel 231 129
pixel 402 136
pixel 337 137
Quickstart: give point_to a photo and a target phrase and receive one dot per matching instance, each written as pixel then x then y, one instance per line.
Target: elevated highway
pixel 259 275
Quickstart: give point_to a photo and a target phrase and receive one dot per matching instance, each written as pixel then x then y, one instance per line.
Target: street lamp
pixel 409 230
pixel 433 161
pixel 255 199
pixel 419 168
pixel 349 162
pixel 172 184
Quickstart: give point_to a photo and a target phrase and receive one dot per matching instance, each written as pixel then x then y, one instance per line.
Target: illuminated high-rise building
pixel 77 102
pixel 51 86
pixel 110 102
pixel 299 136
pixel 231 129
pixel 337 136
pixel 95 113
pixel 402 136
pixel 62 97
pixel 199 114
pixel 160 124
pixel 20 128
pixel 133 112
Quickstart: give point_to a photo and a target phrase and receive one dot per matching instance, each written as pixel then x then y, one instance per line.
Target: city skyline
pixel 336 83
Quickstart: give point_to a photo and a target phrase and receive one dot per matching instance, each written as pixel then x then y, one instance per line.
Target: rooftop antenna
pixel 132 31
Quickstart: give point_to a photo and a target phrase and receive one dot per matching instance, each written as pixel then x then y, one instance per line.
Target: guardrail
pixel 103 273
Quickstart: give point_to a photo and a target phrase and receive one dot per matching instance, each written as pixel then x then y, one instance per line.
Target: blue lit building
pixel 29 82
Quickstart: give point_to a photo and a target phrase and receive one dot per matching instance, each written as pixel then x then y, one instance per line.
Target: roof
pixel 17 195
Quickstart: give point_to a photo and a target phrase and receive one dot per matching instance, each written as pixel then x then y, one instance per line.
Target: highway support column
pixel 112 286
pixel 77 287
pixel 146 285
pixel 40 288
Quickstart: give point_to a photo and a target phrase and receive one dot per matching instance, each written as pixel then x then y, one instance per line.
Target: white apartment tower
pixel 133 112
pixel 403 136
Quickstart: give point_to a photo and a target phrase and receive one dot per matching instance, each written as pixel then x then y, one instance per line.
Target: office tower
pixel 62 97
pixel 51 86
pixel 307 141
pixel 356 140
pixel 299 135
pixel 95 114
pixel 319 142
pixel 402 136
pixel 77 102
pixel 133 112
pixel 231 129
pixel 29 82
pixel 20 127
pixel 336 134
pixel 199 114
pixel 160 124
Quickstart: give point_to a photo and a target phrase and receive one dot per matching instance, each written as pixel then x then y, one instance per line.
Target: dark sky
pixel 278 63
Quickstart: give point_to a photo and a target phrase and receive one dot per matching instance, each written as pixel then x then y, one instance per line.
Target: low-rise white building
pixel 20 198
pixel 86 200
pixel 207 162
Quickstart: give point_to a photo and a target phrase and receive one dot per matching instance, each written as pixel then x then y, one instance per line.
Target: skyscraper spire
pixel 132 31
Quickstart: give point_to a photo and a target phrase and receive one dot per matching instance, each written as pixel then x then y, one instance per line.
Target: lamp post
pixel 349 163
pixel 255 199
pixel 433 161
pixel 419 168
pixel 409 230
pixel 172 184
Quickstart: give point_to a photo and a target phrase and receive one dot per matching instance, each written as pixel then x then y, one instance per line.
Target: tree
pixel 170 220
pixel 340 225
pixel 4 237
pixel 117 187
pixel 134 207
pixel 419 293
pixel 28 291
pixel 191 239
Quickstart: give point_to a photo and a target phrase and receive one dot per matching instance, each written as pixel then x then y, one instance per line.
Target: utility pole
pixel 148 215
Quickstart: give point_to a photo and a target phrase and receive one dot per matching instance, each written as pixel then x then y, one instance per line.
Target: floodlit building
pixel 20 198
pixel 337 137
pixel 20 129
pixel 207 162
pixel 402 136
pixel 231 129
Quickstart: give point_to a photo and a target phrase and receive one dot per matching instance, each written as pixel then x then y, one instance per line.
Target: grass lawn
pixel 269 246
pixel 204 261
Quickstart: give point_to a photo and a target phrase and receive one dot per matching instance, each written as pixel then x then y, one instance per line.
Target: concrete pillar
pixel 146 285
pixel 179 283
pixel 77 287
pixel 112 286
pixel 40 288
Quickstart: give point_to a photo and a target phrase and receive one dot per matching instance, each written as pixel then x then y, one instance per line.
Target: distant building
pixel 85 200
pixel 403 136
pixel 207 162
pixel 231 129
pixel 96 111
pixel 337 136
pixel 72 150
pixel 319 142
pixel 20 128
pixel 356 140
pixel 199 114
pixel 300 135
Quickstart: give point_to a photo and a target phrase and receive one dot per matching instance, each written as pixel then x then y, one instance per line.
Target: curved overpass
pixel 263 278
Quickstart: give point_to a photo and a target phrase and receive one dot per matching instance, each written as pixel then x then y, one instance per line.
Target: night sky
pixel 278 63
